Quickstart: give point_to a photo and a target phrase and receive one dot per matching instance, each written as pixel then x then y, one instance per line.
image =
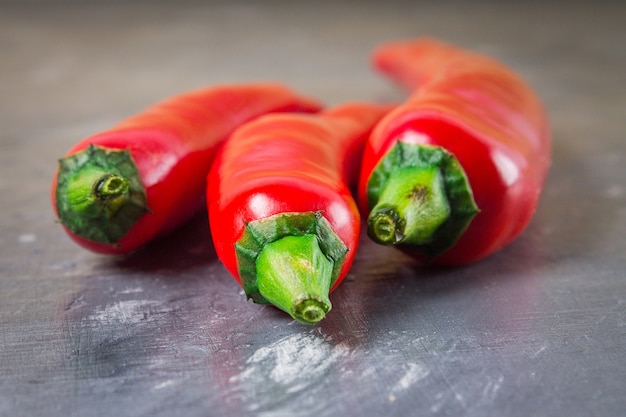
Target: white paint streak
pixel 438 403
pixel 293 362
pixel 443 398
pixel 131 290
pixel 367 372
pixel 615 191
pixel 130 311
pixel 164 384
pixel 27 238
pixel 491 388
pixel 414 373
pixel 534 355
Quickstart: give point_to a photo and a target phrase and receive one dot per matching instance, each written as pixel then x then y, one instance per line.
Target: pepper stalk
pixel 421 198
pixel 291 260
pixel 99 194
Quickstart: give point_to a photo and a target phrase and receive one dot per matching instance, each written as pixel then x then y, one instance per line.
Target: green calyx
pixel 294 275
pixel 420 198
pixel 99 194
pixel 291 260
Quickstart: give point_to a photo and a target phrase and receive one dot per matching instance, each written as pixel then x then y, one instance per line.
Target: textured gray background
pixel 536 330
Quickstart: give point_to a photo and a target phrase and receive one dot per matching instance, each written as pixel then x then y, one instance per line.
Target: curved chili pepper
pixel 283 220
pixel 115 191
pixel 453 174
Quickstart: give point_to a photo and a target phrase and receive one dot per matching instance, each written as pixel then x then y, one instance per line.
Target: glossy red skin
pixel 286 163
pixel 486 116
pixel 173 145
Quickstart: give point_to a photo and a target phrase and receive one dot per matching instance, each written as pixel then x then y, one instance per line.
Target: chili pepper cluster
pixel 450 176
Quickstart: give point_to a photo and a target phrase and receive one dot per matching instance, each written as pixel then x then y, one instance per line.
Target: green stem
pixel 111 186
pixel 294 275
pixel 99 194
pixel 291 260
pixel 421 199
pixel 411 207
pixel 96 192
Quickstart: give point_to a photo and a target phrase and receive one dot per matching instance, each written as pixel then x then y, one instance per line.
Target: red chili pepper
pixel 117 190
pixel 283 220
pixel 453 174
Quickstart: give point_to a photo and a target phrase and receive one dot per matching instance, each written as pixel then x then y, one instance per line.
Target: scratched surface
pixel 537 330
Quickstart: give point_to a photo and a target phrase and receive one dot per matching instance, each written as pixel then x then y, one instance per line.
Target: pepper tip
pixel 385 226
pixel 310 311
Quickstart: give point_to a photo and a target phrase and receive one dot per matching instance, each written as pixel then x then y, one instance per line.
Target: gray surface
pixel 536 330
